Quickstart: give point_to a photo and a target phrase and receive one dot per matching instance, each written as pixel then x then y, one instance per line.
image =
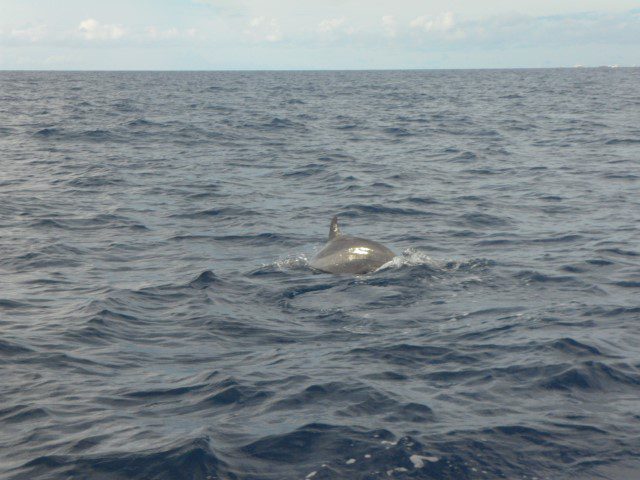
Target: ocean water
pixel 159 320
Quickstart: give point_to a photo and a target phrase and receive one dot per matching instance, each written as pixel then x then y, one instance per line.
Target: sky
pixel 321 34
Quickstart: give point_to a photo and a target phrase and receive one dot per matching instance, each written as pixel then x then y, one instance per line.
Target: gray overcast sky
pixel 303 34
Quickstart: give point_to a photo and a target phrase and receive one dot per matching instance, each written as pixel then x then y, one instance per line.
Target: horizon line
pixel 416 69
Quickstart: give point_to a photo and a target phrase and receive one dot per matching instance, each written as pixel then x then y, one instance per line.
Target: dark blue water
pixel 158 318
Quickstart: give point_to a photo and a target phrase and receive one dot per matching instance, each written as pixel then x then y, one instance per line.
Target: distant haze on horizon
pixel 332 34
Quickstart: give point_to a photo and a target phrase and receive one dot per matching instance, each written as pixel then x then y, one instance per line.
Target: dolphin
pixel 347 254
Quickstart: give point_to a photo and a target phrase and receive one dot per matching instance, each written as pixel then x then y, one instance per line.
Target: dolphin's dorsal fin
pixel 334 230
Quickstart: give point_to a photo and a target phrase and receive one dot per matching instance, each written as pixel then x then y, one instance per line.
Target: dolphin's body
pixel 346 254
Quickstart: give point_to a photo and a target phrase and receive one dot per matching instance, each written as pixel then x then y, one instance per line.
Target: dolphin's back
pixel 346 254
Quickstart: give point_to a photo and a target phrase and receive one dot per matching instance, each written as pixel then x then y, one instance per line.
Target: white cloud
pixel 329 25
pixel 264 29
pixel 389 25
pixel 445 26
pixel 31 34
pixel 91 29
pixel 156 33
pixel 335 28
pixel 443 22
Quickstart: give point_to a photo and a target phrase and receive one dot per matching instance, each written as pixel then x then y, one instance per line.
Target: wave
pixel 6 131
pixel 102 220
pixel 222 212
pixel 423 200
pixel 561 239
pixel 93 135
pixel 256 239
pixel 141 122
pixel 11 304
pixel 410 354
pixel 275 124
pixel 619 251
pixel 9 348
pixel 357 210
pixel 573 347
pixel 532 276
pixel 307 170
pixel 398 132
pixel 628 283
pixel 622 141
pixel 204 280
pixel 23 413
pixel 194 458
pixel 233 395
pixel 47 132
pixel 594 376
pixel 482 220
